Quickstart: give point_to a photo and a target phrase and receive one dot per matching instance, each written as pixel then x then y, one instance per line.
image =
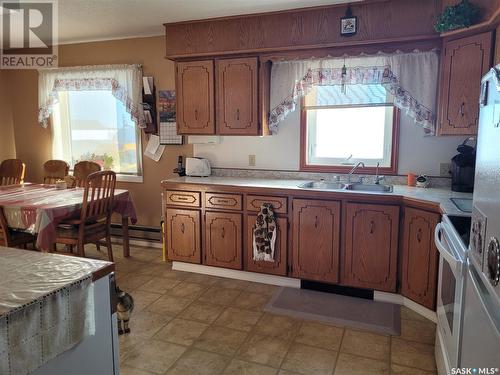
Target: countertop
pixel 29 275
pixel 432 195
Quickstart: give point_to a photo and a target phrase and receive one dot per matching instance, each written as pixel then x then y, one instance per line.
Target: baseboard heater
pixel 138 232
pixel 337 289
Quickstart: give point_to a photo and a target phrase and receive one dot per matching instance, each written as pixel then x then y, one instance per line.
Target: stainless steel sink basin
pixel 322 185
pixel 370 187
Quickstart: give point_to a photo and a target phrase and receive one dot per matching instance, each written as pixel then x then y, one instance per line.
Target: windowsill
pixel 129 178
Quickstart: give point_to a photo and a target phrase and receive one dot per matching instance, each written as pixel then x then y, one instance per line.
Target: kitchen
pixel 296 188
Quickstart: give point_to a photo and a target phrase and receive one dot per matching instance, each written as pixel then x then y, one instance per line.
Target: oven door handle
pixel 445 252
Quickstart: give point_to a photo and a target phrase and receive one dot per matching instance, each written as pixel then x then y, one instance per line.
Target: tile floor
pixel 187 323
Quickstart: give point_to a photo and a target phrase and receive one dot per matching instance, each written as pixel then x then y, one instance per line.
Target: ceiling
pixel 92 20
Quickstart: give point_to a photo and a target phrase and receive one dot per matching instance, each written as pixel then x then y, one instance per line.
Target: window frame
pixel 305 167
pixel 120 177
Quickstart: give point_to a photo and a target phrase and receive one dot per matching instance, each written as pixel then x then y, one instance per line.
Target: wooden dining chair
pixel 94 223
pixel 54 170
pixel 12 172
pixel 82 169
pixel 13 238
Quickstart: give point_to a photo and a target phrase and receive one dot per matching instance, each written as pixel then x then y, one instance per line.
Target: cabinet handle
pixel 196 114
pixel 372 227
pixel 223 234
pixel 183 228
pixel 462 109
pixel 316 223
pixel 419 235
pixel 238 114
pixel 182 198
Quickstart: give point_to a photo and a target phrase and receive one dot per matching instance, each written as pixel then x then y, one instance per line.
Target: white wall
pixel 417 153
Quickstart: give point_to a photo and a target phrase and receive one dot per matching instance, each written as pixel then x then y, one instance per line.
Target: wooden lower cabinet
pixel 316 240
pixel 183 235
pixel 371 246
pixel 279 266
pixel 223 239
pixel 419 257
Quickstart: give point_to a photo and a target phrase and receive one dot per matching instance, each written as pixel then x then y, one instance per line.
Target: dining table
pixel 39 208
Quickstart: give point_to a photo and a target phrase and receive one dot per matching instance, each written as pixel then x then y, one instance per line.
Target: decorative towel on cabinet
pixel 264 234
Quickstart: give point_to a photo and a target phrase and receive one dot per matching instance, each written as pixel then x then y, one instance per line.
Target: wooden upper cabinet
pixel 223 239
pixel 464 63
pixel 195 97
pixel 419 257
pixel 371 246
pixel 316 240
pixel 183 235
pixel 237 96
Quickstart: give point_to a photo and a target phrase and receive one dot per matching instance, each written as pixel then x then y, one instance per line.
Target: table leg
pixel 126 247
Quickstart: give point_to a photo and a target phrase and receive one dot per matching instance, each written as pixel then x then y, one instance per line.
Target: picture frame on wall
pixel 348 25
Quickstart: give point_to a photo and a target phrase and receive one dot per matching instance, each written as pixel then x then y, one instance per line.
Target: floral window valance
pixel 124 81
pixel 411 78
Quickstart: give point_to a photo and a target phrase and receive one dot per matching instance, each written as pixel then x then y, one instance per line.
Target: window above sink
pixel 340 128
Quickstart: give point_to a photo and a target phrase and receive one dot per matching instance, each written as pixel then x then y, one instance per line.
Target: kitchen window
pixel 93 125
pixel 343 126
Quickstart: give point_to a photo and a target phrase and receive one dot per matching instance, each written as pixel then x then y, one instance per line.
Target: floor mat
pixel 337 309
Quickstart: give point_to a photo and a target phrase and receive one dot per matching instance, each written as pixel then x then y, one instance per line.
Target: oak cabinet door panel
pixel 316 234
pixel 371 246
pixel 183 235
pixel 223 239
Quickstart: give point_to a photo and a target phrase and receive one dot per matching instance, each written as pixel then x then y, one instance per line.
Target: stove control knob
pixel 494 261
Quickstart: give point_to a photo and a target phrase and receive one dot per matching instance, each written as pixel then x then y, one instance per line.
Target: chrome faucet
pixel 377 177
pixel 349 176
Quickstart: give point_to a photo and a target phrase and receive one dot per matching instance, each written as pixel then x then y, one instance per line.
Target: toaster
pixel 198 167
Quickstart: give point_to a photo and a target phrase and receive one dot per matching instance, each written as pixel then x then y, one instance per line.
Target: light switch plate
pixel 444 169
pixel 251 160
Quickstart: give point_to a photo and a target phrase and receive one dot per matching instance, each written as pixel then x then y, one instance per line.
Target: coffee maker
pixel 462 168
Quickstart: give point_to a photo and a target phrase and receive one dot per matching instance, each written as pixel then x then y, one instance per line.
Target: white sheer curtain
pixel 410 77
pixel 125 82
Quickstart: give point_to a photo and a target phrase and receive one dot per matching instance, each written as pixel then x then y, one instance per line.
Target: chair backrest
pixel 4 230
pixel 12 172
pixel 54 170
pixel 83 169
pixel 98 196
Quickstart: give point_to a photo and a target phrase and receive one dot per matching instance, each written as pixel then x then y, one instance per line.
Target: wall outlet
pixel 251 160
pixel 444 169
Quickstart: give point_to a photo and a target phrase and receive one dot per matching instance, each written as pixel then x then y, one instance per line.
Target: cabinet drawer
pixel 255 201
pixel 183 198
pixel 223 201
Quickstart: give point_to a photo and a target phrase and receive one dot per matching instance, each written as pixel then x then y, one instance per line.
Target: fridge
pixel 480 349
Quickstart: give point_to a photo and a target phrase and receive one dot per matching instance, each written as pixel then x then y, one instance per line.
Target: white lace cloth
pixel 46 307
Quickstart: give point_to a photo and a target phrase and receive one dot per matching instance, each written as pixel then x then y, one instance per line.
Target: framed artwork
pixel 348 25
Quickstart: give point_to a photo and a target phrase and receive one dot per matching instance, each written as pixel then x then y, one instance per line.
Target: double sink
pixel 323 185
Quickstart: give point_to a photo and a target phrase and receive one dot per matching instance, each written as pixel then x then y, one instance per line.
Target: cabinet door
pixel 223 233
pixel 465 61
pixel 316 233
pixel 371 246
pixel 195 97
pixel 237 107
pixel 278 267
pixel 183 235
pixel 419 257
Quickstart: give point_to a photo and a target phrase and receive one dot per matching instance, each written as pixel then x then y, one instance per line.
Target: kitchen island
pixel 55 314
pixel 380 241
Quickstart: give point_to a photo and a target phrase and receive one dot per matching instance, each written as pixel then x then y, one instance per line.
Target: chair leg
pixel 98 246
pixel 110 248
pixel 54 247
pixel 81 249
